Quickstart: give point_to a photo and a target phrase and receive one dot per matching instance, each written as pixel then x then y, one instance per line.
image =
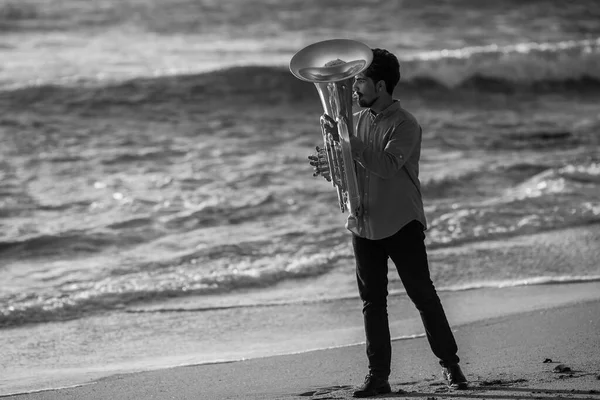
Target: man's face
pixel 364 90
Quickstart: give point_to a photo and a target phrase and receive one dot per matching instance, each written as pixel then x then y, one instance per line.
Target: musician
pixel 391 222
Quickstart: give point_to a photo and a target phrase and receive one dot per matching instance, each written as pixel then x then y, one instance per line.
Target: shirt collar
pixel 389 110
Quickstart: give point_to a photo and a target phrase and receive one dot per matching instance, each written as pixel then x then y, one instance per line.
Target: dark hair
pixel 385 67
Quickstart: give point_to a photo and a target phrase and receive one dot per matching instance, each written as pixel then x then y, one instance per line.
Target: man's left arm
pixel 398 149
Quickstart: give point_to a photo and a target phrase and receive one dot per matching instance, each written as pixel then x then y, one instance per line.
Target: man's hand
pixel 330 127
pixel 320 164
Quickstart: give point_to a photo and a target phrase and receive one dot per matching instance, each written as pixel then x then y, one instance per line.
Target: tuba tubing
pixel 331 66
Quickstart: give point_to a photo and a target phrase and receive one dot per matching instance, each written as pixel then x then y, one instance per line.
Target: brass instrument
pixel 331 65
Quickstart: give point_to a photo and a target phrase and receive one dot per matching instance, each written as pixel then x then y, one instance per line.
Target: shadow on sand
pixel 477 390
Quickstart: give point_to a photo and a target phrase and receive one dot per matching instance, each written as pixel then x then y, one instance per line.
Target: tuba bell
pixel 331 65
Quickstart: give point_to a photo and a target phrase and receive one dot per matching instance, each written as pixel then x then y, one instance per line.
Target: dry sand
pixel 511 357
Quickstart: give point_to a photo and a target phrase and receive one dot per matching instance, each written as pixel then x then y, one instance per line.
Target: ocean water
pixel 157 207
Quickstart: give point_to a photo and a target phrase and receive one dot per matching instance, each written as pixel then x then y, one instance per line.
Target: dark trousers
pixel 407 250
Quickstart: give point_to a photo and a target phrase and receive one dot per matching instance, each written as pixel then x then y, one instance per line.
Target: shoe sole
pixel 459 386
pixel 377 393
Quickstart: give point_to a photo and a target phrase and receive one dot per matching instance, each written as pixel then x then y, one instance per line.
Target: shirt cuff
pixel 357 147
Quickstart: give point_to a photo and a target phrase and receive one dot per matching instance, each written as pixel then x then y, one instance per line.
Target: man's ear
pixel 381 86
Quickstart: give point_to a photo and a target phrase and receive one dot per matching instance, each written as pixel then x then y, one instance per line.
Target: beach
pixel 548 353
pixel 162 235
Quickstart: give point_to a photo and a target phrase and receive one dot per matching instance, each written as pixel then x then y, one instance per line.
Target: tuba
pixel 331 65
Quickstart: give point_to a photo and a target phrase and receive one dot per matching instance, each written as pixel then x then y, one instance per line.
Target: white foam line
pixel 527 47
pixel 540 280
pixel 46 389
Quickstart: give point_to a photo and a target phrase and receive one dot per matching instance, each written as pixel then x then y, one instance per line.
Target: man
pixel 386 149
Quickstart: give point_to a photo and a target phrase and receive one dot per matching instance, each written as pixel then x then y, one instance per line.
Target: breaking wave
pixel 572 67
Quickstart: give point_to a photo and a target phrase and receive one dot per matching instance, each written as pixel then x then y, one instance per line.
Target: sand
pixel 508 357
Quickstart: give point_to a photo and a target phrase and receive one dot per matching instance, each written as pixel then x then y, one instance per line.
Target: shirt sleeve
pixel 398 149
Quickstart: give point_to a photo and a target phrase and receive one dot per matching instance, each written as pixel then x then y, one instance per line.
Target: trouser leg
pixel 407 250
pixel 371 276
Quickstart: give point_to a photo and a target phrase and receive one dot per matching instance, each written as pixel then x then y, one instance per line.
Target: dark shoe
pixel 455 377
pixel 373 386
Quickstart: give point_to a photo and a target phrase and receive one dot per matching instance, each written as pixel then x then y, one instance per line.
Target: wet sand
pixel 509 357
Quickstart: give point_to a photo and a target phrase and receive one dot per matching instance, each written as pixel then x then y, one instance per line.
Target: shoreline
pixel 508 372
pixel 543 302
